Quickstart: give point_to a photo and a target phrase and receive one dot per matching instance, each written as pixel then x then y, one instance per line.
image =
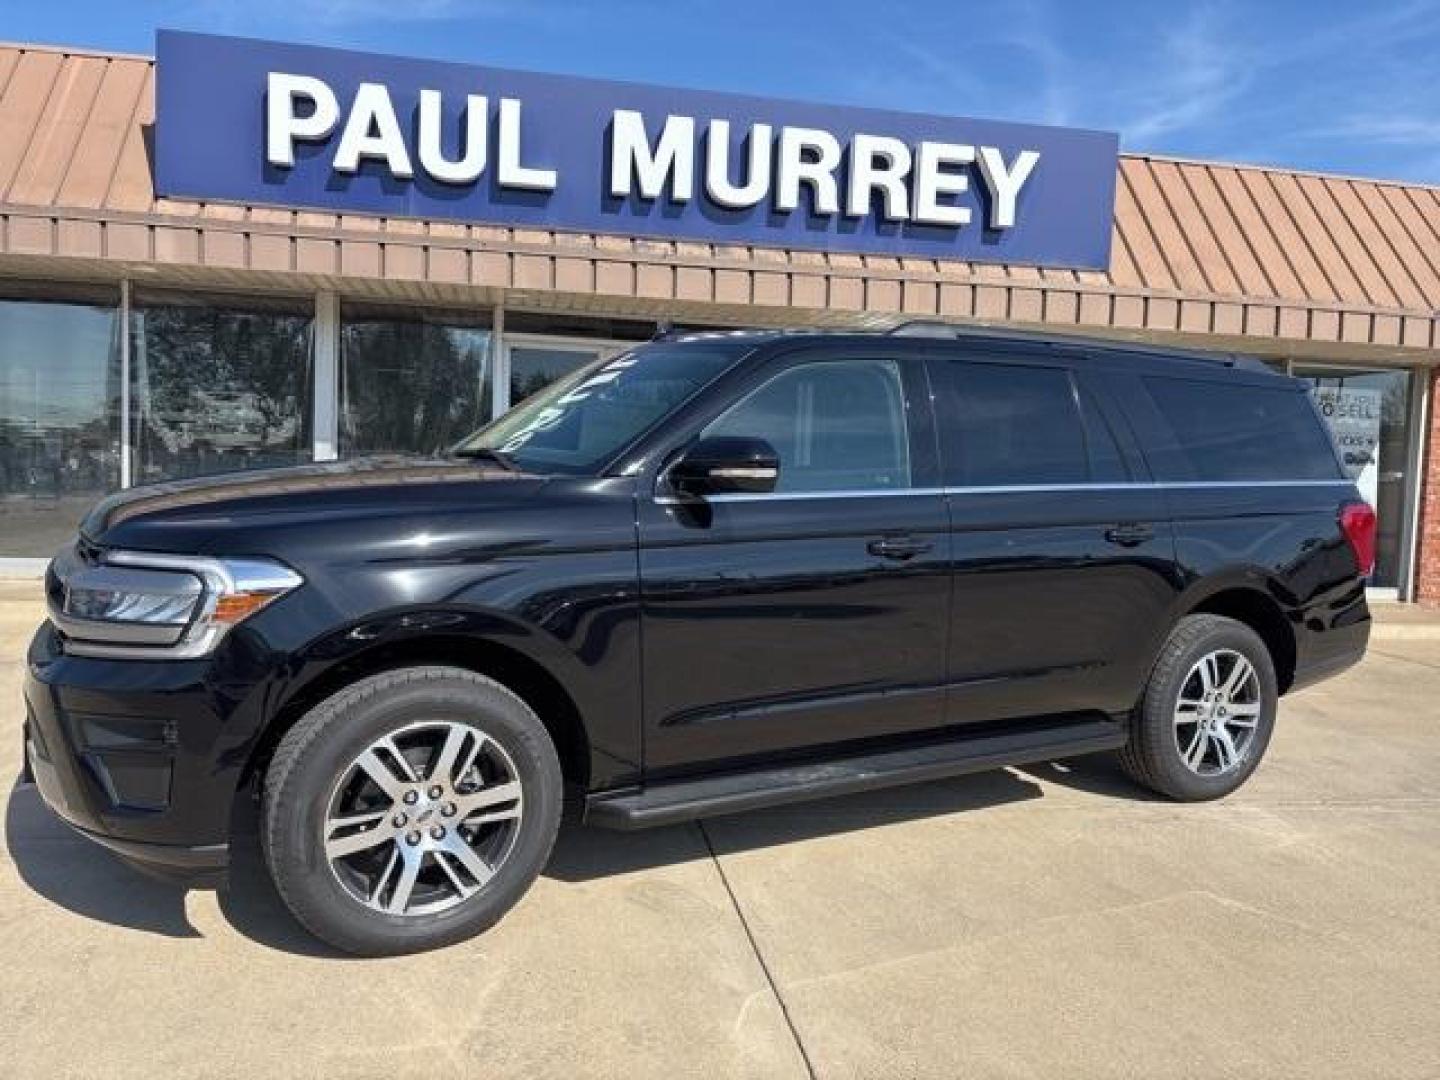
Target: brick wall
pixel 1428 579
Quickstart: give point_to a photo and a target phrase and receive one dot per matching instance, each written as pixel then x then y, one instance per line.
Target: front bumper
pixel 143 757
pixel 199 866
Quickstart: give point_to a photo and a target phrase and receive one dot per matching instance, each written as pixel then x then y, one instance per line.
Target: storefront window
pixel 1367 413
pixel 411 381
pixel 220 384
pixel 534 367
pixel 59 413
pixel 543 347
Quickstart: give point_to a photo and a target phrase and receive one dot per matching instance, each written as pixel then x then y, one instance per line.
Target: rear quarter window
pixel 1240 431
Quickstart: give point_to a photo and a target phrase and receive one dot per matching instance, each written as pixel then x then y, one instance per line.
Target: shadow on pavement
pixel 1097 774
pixel 583 853
pixel 250 902
pixel 81 877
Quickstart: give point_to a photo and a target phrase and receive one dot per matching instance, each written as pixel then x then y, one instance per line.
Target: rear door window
pixel 1021 425
pixel 1236 431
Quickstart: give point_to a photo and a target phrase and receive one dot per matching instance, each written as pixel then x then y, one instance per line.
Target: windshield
pixel 577 424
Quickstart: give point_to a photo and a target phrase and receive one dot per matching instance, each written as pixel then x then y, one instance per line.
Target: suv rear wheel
pixel 410 810
pixel 1208 711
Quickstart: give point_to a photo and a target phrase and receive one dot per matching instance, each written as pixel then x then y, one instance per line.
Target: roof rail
pixel 937 328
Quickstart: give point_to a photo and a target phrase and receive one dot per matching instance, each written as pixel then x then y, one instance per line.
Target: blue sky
pixel 1342 87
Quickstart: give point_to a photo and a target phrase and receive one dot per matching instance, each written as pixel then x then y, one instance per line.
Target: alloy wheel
pixel 1217 713
pixel 423 818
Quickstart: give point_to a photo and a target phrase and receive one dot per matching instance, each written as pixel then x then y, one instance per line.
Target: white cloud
pixel 1198 72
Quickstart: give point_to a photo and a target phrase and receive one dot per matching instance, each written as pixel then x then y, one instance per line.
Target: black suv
pixel 720 571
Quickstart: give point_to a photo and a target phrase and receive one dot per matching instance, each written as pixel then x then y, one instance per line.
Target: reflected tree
pixel 412 387
pixel 220 388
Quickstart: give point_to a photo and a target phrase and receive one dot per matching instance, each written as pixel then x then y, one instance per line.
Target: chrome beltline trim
pixel 1008 489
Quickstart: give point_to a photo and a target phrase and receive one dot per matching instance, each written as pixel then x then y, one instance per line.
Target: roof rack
pixel 925 328
pixel 938 328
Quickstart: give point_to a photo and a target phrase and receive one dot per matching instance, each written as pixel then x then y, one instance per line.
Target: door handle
pixel 898 547
pixel 1129 534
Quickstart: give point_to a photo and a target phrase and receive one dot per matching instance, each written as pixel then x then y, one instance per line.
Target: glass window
pixel 1239 431
pixel 1016 425
pixel 578 424
pixel 59 414
pixel 837 426
pixel 412 382
pixel 1367 413
pixel 1107 465
pixel 220 383
pixel 566 325
pixel 534 367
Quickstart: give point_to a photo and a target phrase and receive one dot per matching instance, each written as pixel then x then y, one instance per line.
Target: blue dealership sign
pixel 293 125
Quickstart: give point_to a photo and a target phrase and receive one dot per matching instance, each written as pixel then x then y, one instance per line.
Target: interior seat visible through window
pixel 836 425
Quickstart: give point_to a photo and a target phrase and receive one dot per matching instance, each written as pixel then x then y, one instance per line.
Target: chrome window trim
pixel 1006 489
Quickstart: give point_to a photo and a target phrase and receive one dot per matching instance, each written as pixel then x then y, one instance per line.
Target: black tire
pixel 1153 757
pixel 314 755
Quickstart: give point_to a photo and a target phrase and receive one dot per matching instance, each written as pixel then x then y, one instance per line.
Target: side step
pixel 683 800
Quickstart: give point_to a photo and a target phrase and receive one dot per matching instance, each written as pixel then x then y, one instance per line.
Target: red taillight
pixel 1357 521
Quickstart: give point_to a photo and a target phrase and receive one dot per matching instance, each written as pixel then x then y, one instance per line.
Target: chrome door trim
pixel 1005 489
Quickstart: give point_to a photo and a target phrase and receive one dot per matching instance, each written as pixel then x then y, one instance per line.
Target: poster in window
pixel 1353 416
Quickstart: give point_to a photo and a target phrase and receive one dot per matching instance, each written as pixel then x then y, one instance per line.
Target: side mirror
pixel 724 464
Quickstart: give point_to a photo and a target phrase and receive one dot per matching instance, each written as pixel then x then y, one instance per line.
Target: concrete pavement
pixel 1047 922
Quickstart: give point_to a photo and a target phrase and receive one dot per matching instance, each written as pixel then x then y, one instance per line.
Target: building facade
pixel 146 337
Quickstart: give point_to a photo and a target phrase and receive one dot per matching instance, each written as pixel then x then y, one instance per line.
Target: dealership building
pixel 246 255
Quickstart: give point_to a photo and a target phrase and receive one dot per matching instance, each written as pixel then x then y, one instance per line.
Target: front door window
pixel 836 426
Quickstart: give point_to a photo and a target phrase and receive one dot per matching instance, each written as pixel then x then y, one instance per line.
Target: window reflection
pixel 59 415
pixel 220 384
pixel 1368 416
pixel 412 382
pixel 534 367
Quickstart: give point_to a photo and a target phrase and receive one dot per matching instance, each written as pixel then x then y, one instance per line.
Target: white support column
pixel 326 416
pixel 126 423
pixel 1419 424
pixel 500 367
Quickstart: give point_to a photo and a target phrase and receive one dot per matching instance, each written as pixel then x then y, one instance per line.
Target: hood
pixel 184 515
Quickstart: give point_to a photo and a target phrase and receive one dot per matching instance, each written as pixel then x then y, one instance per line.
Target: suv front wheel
pixel 1208 711
pixel 410 810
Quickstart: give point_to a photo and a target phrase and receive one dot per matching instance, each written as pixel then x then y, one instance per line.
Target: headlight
pixel 135 604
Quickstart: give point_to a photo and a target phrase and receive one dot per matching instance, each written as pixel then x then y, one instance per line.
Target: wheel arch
pixel 523 675
pixel 1248 602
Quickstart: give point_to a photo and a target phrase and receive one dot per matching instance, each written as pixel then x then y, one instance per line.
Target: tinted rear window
pixel 1239 431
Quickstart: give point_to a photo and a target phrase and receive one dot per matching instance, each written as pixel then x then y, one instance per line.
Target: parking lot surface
pixel 1048 922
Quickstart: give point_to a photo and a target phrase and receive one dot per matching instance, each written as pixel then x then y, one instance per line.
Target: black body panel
pixel 693 638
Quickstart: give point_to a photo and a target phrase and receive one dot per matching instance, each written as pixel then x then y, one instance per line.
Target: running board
pixel 684 800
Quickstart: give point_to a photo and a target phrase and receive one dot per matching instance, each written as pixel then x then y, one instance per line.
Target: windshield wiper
pixel 502 459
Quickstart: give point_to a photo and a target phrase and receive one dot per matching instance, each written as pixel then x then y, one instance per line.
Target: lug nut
pixel 436 792
pixel 448 809
pixel 400 820
pixel 412 797
pixel 437 832
pixel 413 838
